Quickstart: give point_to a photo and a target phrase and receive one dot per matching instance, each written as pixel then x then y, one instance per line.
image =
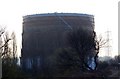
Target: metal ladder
pixel 69 26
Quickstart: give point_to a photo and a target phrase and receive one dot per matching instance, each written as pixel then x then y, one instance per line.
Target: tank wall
pixel 43 35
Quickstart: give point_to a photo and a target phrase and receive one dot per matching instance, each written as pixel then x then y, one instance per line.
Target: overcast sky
pixel 105 13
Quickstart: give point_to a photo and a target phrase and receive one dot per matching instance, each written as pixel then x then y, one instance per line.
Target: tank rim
pixel 57 14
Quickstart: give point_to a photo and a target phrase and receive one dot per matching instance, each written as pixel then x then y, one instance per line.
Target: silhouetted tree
pixel 100 43
pixel 4 39
pixel 82 49
pixel 83 41
pixel 85 47
pixel 8 45
pixel 8 48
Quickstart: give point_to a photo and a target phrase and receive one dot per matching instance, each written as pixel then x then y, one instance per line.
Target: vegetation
pixel 8 54
pixel 72 61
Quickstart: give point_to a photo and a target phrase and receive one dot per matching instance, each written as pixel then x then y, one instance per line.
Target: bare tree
pixel 14 45
pixel 8 51
pixel 83 41
pixel 8 46
pixel 86 45
pixel 80 50
pixel 100 43
pixel 4 39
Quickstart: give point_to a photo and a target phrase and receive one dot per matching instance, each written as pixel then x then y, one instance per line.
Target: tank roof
pixel 57 14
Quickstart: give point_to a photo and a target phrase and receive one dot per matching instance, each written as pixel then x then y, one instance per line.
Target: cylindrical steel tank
pixel 45 33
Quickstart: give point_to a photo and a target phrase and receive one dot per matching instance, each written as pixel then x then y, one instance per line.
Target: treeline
pixel 80 59
pixel 8 54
